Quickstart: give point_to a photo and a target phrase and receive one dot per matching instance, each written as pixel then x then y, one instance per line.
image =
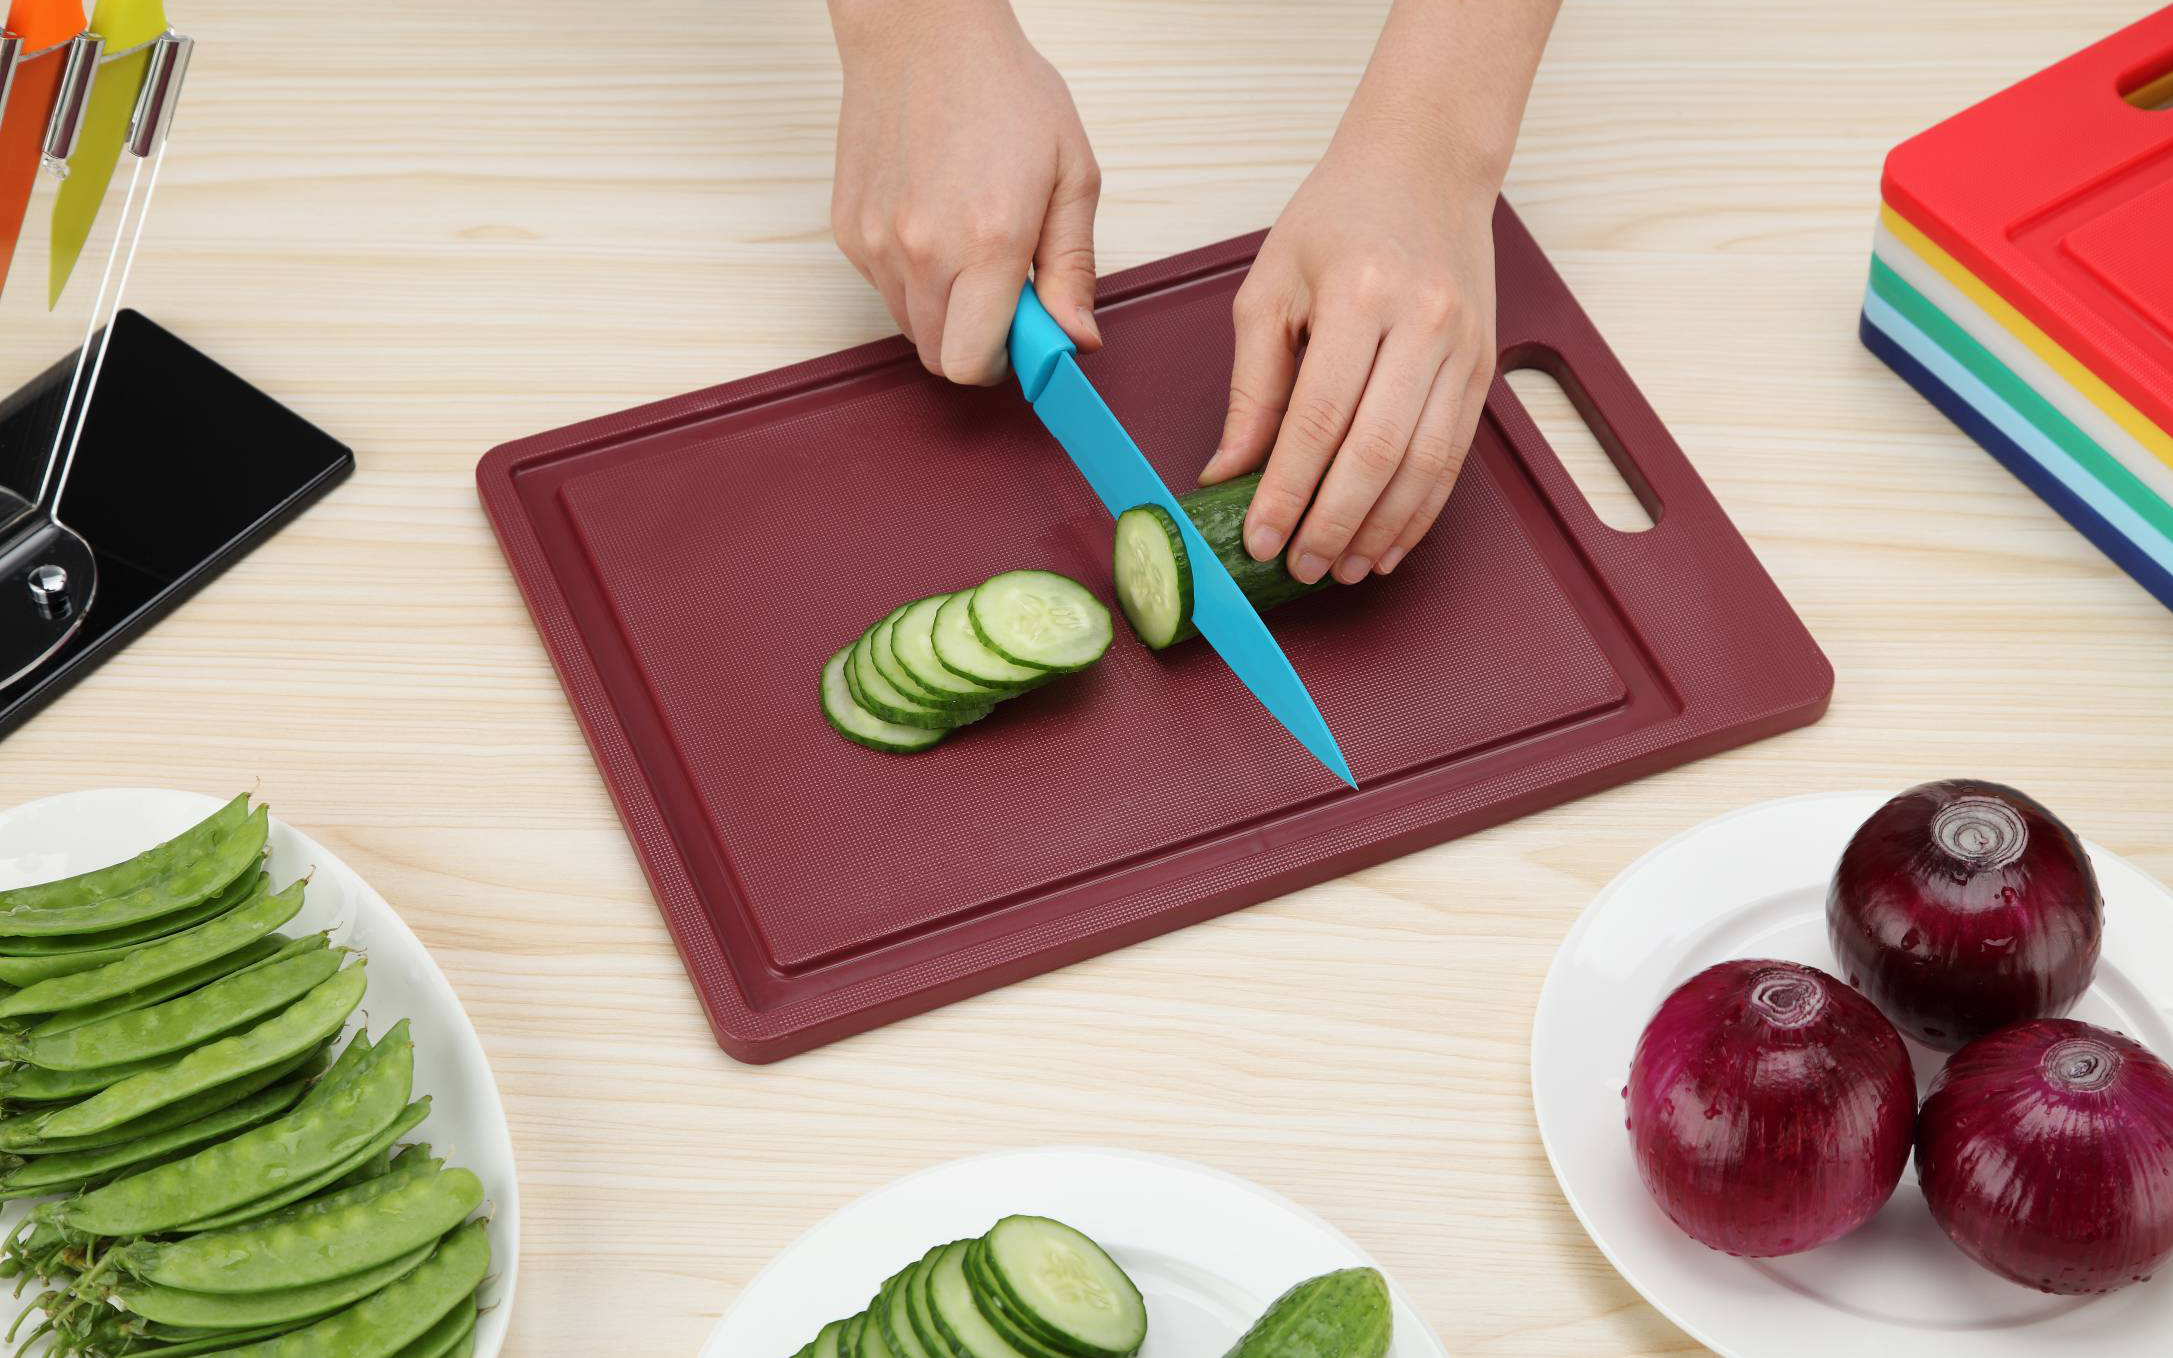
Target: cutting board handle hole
pixel 2150 87
pixel 1617 493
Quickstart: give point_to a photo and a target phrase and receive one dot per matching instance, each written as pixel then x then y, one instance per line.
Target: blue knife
pixel 1042 357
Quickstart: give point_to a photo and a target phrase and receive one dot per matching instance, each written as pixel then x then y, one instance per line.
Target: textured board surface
pixel 2058 193
pixel 691 564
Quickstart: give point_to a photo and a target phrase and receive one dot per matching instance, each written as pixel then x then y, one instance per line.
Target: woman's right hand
pixel 961 162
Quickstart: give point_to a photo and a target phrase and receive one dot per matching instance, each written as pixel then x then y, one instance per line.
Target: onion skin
pixel 2046 1154
pixel 1771 1108
pixel 1962 907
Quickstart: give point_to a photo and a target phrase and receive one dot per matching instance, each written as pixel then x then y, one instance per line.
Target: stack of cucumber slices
pixel 1030 1288
pixel 936 664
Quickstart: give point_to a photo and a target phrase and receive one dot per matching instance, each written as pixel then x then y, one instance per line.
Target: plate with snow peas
pixel 1205 1253
pixel 242 1113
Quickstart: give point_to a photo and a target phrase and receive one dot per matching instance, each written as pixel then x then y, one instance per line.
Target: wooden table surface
pixel 432 228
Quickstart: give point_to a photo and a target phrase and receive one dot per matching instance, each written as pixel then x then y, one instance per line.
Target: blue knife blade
pixel 1119 474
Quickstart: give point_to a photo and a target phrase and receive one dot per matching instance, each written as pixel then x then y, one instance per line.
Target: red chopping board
pixel 2058 194
pixel 692 563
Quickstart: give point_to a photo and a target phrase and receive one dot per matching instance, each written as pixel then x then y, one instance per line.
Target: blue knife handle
pixel 1037 342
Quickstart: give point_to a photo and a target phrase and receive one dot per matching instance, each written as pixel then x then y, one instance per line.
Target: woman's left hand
pixel 1365 345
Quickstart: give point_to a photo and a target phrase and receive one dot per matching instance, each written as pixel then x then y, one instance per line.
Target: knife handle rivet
pixel 49 589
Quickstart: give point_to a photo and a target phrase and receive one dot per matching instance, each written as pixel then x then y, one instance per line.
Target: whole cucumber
pixel 1337 1315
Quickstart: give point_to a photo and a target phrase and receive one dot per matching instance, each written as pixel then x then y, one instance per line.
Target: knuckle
pixel 918 238
pixel 1376 452
pixel 1316 421
pixel 1437 306
pixel 1327 529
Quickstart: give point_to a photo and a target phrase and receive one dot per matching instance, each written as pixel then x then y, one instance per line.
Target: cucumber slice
pixel 883 652
pixel 896 1320
pixel 1015 1331
pixel 826 1343
pixel 961 651
pixel 1154 576
pixel 920 1309
pixel 1041 619
pixel 950 1297
pixel 913 641
pixel 849 1341
pixel 1064 1284
pixel 860 726
pixel 871 1343
pixel 882 698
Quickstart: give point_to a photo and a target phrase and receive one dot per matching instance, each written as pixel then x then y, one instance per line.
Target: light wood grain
pixel 433 227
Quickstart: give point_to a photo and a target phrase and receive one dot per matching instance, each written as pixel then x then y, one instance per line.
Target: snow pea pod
pixel 178 1023
pixel 20 1135
pixel 170 956
pixel 415 1162
pixel 50 1173
pixel 381 1325
pixel 152 864
pixel 26 961
pixel 265 951
pixel 314 1249
pixel 328 1128
pixel 297 1028
pixel 29 1084
pixel 190 884
pixel 444 1338
pixel 410 1118
pixel 175 1306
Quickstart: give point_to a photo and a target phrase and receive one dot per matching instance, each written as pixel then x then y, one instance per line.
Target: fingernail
pixel 1086 318
pixel 1263 542
pixel 1352 568
pixel 1214 464
pixel 1390 558
pixel 1307 568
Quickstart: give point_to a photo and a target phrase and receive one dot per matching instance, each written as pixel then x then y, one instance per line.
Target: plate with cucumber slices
pixel 1072 1253
pixel 238 1100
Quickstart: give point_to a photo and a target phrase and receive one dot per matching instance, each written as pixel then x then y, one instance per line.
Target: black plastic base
pixel 183 468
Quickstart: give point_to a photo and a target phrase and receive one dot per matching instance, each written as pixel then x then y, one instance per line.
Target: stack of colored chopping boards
pixel 2022 281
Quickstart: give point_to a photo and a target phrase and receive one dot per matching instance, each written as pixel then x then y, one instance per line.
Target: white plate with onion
pixel 77 832
pixel 1753 884
pixel 1208 1251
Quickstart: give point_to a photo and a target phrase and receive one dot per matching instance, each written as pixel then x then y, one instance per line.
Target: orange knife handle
pixel 44 23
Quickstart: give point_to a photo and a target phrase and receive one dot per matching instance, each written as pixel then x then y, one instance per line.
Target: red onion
pixel 2046 1153
pixel 1961 907
pixel 1771 1108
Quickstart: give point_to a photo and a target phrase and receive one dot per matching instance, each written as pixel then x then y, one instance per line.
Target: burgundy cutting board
pixel 692 563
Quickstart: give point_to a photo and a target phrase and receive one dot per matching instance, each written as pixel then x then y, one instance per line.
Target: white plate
pixel 1209 1250
pixel 1753 884
pixel 65 835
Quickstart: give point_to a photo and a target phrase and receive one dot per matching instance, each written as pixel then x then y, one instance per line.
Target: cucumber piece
pixel 860 726
pixel 885 655
pixel 871 1343
pixel 1153 574
pixel 950 1298
pixel 1015 1329
pixel 882 698
pixel 1340 1315
pixel 826 1343
pixel 1062 1284
pixel 961 651
pixel 849 1339
pixel 913 641
pixel 922 1308
pixel 1145 575
pixel 895 1317
pixel 1041 619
